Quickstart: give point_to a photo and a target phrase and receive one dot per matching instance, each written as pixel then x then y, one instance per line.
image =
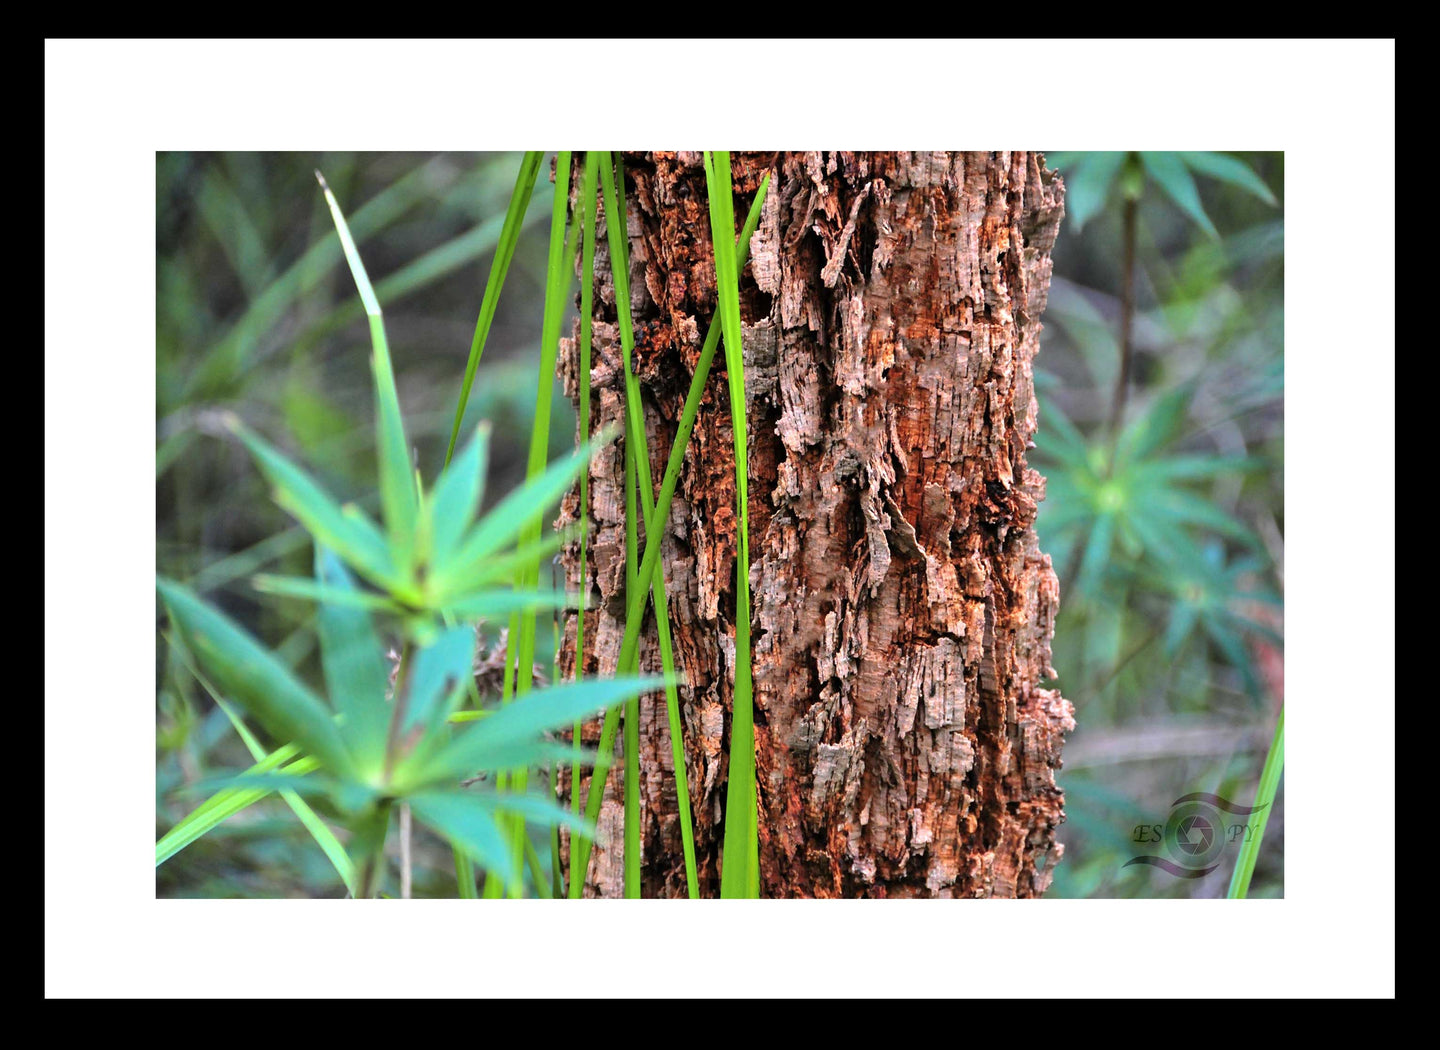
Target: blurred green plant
pixel 431 566
pixel 1091 176
pixel 1162 466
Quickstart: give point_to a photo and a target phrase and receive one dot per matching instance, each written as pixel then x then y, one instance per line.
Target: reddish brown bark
pixel 902 608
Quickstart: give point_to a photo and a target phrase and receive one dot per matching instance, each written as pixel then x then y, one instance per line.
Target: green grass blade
pixel 319 830
pixel 740 875
pixel 557 283
pixel 464 872
pixel 589 193
pixel 580 849
pixel 398 496
pixel 631 747
pixel 505 252
pixel 612 179
pixel 223 805
pixel 1264 801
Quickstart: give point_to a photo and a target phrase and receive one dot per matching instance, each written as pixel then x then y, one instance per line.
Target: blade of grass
pixel 741 817
pixel 1264 801
pixel 557 282
pixel 631 747
pixel 224 804
pixel 580 848
pixel 589 192
pixel 319 831
pixel 505 252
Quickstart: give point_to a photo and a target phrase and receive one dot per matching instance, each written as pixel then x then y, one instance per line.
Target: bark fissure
pixel 902 609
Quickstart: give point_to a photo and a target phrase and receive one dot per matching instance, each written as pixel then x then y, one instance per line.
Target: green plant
pixel 650 561
pixel 430 567
pixel 1091 175
pixel 1264 801
pixel 741 874
pixel 1159 435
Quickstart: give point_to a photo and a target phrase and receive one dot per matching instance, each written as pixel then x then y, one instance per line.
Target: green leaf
pixel 397 485
pixel 529 716
pixel 346 531
pixel 504 252
pixel 1229 170
pixel 308 589
pixel 1168 170
pixel 506 519
pixel 244 670
pixel 1159 425
pixel 438 678
pixel 456 499
pixel 356 677
pixel 494 605
pixel 220 807
pixel 1264 802
pixel 536 809
pixel 457 816
pixel 319 830
pixel 300 784
pixel 1088 183
pixel 510 567
pixel 739 875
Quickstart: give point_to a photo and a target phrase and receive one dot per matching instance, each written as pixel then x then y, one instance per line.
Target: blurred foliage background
pixel 1166 528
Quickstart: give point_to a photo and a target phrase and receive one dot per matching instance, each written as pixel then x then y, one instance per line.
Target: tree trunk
pixel 902 608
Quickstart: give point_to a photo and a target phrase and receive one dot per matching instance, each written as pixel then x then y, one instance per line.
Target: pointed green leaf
pixel 317 784
pixel 499 528
pixel 456 499
pixel 347 531
pixel 458 817
pixel 308 589
pixel 495 605
pixel 526 718
pixel 223 805
pixel 1088 182
pixel 356 676
pixel 536 809
pixel 507 567
pixel 1169 171
pixel 438 678
pixel 397 487
pixel 245 671
pixel 1230 170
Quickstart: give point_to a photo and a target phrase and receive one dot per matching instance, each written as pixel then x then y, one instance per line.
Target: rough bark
pixel 902 607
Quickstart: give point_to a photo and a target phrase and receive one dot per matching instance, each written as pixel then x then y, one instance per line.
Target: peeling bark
pixel 902 608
